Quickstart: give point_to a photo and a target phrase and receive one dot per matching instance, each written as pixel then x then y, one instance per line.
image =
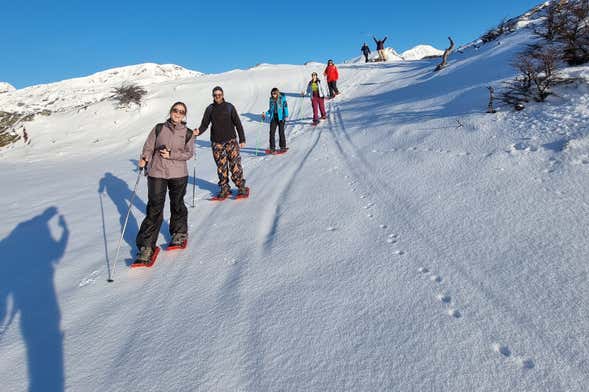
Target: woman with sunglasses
pixel 317 93
pixel 168 147
pixel 332 76
pixel 278 112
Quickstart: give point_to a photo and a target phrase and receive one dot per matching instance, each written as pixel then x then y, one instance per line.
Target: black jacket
pixel 225 120
pixel 379 43
pixel 365 49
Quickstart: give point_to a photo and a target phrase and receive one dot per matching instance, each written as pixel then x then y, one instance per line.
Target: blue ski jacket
pixel 281 107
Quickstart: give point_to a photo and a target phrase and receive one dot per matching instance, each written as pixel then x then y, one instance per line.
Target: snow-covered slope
pixel 81 92
pixel 421 51
pixel 410 242
pixel 6 87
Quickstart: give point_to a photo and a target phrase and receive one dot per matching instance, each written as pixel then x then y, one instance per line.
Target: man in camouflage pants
pixel 225 121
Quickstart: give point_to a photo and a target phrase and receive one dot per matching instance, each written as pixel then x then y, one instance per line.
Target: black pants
pixel 366 56
pixel 281 136
pixel 333 88
pixel 156 194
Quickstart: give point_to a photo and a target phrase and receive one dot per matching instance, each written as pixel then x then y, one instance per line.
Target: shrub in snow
pixel 566 26
pixel 572 31
pixel 537 77
pixel 129 94
pixel 492 34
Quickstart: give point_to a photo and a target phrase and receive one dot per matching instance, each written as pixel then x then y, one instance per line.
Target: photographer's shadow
pixel 29 256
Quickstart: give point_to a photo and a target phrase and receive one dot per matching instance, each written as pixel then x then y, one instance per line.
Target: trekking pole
pixel 111 275
pixel 258 138
pixel 104 234
pixel 194 179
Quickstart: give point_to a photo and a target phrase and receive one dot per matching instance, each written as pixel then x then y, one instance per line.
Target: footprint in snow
pixel 445 298
pixel 370 215
pixel 383 226
pixel 391 240
pixel 330 228
pixel 454 313
pixel 400 253
pixel 90 279
pixel 502 349
pixel 505 351
pixel 423 270
pixel 525 363
pixel 436 278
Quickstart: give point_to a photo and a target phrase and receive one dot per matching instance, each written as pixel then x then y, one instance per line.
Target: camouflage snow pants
pixel 227 158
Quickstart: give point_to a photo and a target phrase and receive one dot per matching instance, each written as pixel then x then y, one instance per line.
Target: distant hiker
pixel 165 152
pixel 225 120
pixel 380 48
pixel 317 93
pixel 25 136
pixel 365 50
pixel 278 112
pixel 332 76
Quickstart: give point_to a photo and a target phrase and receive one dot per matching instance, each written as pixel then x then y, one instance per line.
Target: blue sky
pixel 47 41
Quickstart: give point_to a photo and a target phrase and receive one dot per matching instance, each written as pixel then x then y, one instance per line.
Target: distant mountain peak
pixel 6 87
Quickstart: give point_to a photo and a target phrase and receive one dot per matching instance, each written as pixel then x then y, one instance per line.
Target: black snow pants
pixel 156 194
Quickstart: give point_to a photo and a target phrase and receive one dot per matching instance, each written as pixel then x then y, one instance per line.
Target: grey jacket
pixel 173 136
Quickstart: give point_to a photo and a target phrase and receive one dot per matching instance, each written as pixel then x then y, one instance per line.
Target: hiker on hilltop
pixel 380 48
pixel 365 50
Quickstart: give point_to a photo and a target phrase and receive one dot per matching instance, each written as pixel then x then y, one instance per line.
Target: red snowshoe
pixel 138 263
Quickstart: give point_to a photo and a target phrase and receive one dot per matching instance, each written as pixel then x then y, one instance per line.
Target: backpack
pixel 158 130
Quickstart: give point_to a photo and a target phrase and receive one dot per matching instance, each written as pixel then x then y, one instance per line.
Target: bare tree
pixel 537 76
pixel 572 31
pixel 445 55
pixel 490 108
pixel 548 30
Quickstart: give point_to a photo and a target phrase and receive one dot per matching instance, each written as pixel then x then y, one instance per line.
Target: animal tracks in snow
pixel 444 297
pixel 505 352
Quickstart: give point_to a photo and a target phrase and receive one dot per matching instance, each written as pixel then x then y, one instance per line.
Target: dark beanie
pixel 217 88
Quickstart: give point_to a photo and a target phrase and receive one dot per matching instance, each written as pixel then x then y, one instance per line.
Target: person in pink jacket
pixel 168 147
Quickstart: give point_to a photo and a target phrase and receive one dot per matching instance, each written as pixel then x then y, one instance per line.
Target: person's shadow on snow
pixel 120 194
pixel 29 256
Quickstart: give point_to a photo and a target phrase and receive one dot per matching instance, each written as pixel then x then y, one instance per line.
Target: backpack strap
pixel 158 130
pixel 188 135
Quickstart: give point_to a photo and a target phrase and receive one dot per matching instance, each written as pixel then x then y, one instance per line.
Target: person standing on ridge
pixel 332 76
pixel 380 48
pixel 278 112
pixel 317 93
pixel 224 121
pixel 366 51
pixel 165 152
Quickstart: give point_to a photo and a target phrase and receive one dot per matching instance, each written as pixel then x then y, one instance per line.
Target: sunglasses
pixel 217 95
pixel 178 111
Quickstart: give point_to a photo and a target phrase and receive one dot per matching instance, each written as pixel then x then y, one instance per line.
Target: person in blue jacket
pixel 278 113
